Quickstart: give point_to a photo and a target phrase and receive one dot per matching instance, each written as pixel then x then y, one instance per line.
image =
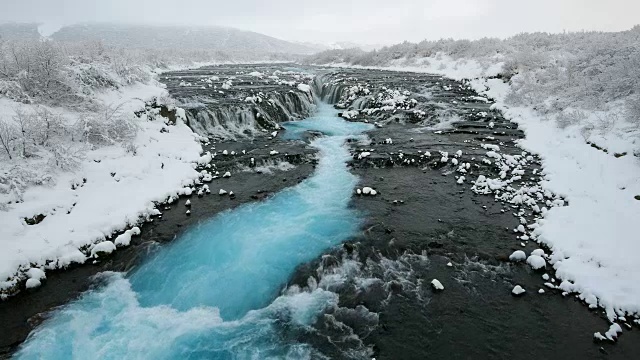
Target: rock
pixel 188 203
pixel 222 192
pixel 36 219
pixel 518 290
pixel 226 175
pixel 437 285
pixel 188 212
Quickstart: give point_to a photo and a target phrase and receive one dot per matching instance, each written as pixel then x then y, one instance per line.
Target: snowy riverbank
pixel 112 188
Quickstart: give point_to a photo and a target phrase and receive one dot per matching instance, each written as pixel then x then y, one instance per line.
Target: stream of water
pixel 216 292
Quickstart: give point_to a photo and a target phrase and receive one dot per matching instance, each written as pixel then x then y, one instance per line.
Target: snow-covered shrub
pixel 633 110
pixel 109 126
pixel 569 118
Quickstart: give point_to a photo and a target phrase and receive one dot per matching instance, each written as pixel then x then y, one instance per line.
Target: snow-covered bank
pixel 110 189
pixel 594 240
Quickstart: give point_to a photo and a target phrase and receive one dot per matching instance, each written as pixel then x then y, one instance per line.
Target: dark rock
pixel 36 219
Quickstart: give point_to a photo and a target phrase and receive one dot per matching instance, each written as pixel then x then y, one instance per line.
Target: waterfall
pixel 251 117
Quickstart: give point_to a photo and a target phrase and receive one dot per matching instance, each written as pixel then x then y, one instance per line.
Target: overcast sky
pixel 327 21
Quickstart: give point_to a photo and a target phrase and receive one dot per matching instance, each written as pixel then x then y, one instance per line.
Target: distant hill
pixel 13 31
pixel 214 38
pixel 181 38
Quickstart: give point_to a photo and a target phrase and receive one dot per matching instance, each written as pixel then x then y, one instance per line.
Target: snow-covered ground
pixel 113 188
pixel 594 240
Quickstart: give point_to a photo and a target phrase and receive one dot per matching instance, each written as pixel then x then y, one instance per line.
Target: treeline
pixel 587 70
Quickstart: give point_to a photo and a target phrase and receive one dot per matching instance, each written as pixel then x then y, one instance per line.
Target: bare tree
pixel 7 135
pixel 26 124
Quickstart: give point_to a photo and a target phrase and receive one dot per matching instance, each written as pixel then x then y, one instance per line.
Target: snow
pixel 304 87
pixel 536 262
pixel 106 247
pixel 368 191
pixel 36 273
pixel 611 334
pixel 518 255
pixel 538 252
pixel 437 285
pixel 32 283
pixel 125 238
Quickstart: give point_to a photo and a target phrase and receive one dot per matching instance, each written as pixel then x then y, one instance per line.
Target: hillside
pixel 180 38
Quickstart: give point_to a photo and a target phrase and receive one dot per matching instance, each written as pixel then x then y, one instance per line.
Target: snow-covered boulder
pixel 518 290
pixel 369 191
pixel 304 87
pixel 536 262
pixel 538 252
pixel 103 248
pixel 518 255
pixel 32 283
pixel 437 285
pixel 222 192
pixel 36 273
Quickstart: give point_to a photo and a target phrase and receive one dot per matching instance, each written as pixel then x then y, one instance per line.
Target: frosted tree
pixel 8 135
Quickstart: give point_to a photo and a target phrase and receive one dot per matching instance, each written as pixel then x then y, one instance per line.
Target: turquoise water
pixel 215 292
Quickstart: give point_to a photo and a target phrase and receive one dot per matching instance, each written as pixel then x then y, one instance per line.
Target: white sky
pixel 327 21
